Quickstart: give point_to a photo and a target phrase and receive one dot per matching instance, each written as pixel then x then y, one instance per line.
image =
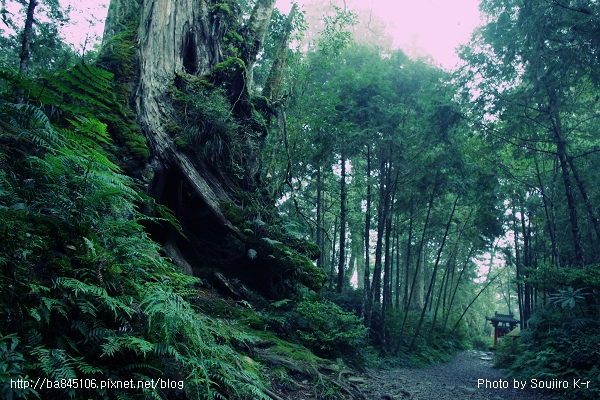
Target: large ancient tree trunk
pixel 180 37
pixel 188 68
pixel 202 48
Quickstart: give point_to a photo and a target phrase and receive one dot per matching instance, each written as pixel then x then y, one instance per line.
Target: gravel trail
pixel 462 378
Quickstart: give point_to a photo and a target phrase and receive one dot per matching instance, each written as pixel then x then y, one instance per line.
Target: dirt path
pixel 462 378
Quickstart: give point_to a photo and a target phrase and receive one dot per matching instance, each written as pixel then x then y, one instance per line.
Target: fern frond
pixel 87 85
pixel 85 368
pixel 90 130
pixel 137 345
pixel 55 363
pixel 99 293
pixel 271 241
pixel 30 123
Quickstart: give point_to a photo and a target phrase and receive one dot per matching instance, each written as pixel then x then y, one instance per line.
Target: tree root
pixel 342 373
pixel 272 395
pixel 349 389
pixel 282 361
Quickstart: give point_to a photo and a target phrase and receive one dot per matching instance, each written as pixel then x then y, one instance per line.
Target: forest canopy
pixel 222 187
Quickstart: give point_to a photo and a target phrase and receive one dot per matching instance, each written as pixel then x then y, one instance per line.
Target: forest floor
pixel 462 378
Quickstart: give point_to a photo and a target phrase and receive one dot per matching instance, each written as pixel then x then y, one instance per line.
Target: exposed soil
pixel 462 378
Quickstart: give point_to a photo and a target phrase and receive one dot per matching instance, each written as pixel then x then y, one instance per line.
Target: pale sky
pixel 438 26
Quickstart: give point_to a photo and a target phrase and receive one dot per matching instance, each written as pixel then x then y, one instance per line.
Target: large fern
pixel 85 284
pixel 82 89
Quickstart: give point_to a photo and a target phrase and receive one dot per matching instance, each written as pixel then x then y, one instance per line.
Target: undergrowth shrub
pixel 329 331
pixel 560 344
pixel 507 352
pixel 431 347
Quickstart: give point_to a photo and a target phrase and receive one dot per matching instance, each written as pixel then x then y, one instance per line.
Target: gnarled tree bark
pixel 192 39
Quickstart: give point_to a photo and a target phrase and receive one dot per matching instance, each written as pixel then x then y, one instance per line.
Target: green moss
pixel 120 52
pixel 288 261
pixel 184 81
pixel 231 212
pixel 232 36
pixel 119 56
pixel 311 276
pixel 232 63
pixel 138 147
pixel 179 142
pixel 304 247
pixel 172 128
pixel 221 8
pixel 291 351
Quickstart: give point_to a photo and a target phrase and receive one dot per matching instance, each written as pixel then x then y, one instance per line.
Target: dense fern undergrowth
pixel 90 308
pixel 561 344
pixel 87 296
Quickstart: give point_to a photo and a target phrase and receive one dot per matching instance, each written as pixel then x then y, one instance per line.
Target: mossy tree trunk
pixel 202 51
pixel 183 37
pixel 174 37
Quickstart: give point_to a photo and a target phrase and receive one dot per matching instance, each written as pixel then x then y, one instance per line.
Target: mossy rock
pixel 305 247
pixel 263 105
pixel 285 261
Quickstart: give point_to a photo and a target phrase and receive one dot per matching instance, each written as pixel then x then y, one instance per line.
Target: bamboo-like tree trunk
pixel 342 256
pixel 419 255
pixel 549 216
pixel 586 201
pixel 25 55
pixel 408 248
pixel 381 213
pixel 320 241
pixel 460 275
pixel 433 275
pixel 518 271
pixel 561 148
pixel 367 297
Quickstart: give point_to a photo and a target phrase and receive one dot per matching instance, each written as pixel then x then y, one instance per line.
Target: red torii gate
pixel 502 325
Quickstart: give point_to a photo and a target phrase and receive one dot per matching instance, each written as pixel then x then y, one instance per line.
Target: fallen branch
pixel 272 395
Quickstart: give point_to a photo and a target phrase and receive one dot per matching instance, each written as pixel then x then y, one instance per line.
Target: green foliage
pixel 336 35
pixel 12 368
pixel 210 127
pixel 119 54
pixel 85 288
pixel 232 63
pixel 85 90
pixel 328 330
pixel 209 123
pixel 507 352
pixel 559 345
pixel 287 261
pixel 431 348
pixel 568 297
